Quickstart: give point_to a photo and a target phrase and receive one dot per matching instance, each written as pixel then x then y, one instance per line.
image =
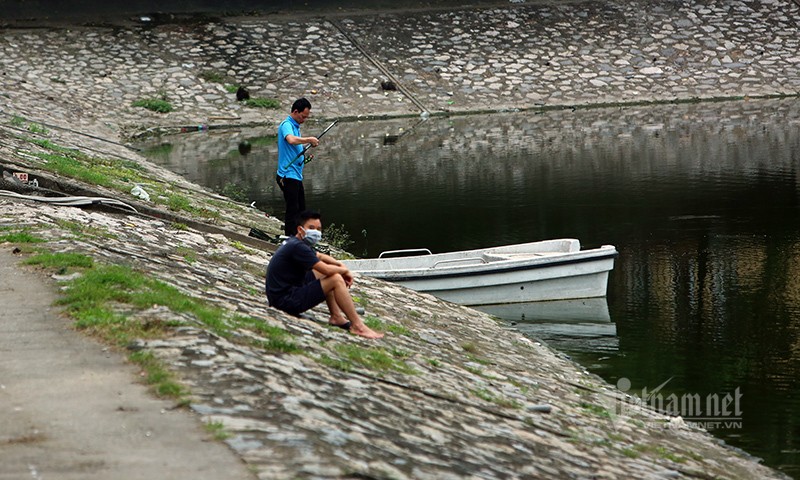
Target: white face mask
pixel 312 236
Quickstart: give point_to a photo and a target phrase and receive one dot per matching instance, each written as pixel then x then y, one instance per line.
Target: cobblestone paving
pixel 517 56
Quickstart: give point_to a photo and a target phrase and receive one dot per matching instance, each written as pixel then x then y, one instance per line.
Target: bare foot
pixel 364 331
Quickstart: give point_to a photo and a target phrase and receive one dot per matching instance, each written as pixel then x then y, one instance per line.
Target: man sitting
pixel 298 278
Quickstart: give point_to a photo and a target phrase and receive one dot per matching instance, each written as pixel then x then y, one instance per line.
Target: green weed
pixel 257 102
pixel 154 104
pixel 162 381
pixel 217 430
pixel 38 129
pixel 213 76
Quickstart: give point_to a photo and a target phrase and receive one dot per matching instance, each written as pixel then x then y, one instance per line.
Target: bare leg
pixel 335 287
pixel 337 317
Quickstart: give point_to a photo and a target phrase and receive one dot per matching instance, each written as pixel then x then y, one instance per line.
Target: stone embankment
pixel 448 393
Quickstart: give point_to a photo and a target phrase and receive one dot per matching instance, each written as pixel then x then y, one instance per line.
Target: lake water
pixel 701 200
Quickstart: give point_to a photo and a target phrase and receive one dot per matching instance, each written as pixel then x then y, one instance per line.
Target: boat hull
pixel 539 271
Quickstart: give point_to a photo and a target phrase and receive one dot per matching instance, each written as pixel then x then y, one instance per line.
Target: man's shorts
pixel 300 299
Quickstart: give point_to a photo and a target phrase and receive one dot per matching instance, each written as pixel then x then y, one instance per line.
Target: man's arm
pixel 328 266
pixel 295 140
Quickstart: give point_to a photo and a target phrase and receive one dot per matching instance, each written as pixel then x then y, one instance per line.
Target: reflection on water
pixel 592 310
pixel 700 200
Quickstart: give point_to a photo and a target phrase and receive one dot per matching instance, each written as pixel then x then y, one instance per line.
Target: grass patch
pixel 486 395
pixel 187 253
pixel 158 105
pixel 17 121
pixel 231 87
pixel 260 102
pixel 217 430
pixel 242 248
pixel 62 262
pixel 90 297
pixel 479 360
pixel 474 370
pixel 38 129
pixel 398 329
pixel 469 347
pixel 20 237
pixel 596 409
pixel 434 363
pixel 180 226
pixel 213 76
pixel 162 381
pixel 98 171
pixel 362 301
pixel 630 453
pixel 276 338
pixel 177 202
pixel 376 359
pixel 374 323
pixel 80 230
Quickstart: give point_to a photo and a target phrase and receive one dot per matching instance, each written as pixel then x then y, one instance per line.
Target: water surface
pixel 700 200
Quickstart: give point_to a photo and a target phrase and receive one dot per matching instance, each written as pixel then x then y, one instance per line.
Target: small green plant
pixel 217 430
pixel 231 87
pixel 180 226
pixel 158 105
pixel 234 192
pixel 434 362
pixel 257 102
pixel 469 347
pixel 17 121
pixel 337 236
pixel 242 248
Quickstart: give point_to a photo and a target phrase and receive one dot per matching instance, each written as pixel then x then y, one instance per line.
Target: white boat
pixel 525 272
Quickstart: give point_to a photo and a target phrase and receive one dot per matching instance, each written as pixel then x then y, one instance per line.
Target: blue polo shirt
pixel 288 165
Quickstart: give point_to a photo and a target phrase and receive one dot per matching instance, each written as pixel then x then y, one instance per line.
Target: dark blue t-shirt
pixel 288 268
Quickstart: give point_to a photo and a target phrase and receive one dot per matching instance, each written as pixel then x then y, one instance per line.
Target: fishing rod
pixel 306 160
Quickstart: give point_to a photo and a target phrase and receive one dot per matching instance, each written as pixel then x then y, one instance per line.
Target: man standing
pixel 291 163
pixel 298 278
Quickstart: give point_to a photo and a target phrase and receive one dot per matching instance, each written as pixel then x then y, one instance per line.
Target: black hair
pixel 300 104
pixel 306 215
